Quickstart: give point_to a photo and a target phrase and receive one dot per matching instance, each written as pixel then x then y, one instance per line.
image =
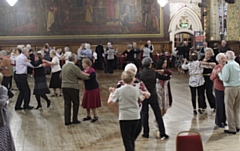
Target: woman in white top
pixel 127 98
pixel 55 81
pixel 196 81
pixel 67 54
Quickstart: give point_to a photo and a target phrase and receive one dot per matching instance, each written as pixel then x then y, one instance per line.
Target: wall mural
pixel 80 17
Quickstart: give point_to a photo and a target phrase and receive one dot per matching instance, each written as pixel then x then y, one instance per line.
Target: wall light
pixel 11 2
pixel 162 3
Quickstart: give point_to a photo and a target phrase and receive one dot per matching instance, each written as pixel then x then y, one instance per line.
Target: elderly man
pixel 70 75
pixel 21 80
pixel 6 70
pixel 205 46
pixel 149 76
pixel 231 79
pixel 224 47
pixel 151 47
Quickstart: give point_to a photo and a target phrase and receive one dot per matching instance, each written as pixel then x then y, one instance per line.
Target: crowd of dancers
pixel 135 92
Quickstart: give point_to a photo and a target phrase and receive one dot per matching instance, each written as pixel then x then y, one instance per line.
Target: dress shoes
pixel 38 107
pixel 94 119
pixel 237 129
pixel 76 122
pixel 68 123
pixel 163 137
pixel 28 108
pixel 18 108
pixel 145 135
pixel 229 132
pixel 48 103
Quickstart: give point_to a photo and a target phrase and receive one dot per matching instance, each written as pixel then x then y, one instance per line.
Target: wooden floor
pixel 44 130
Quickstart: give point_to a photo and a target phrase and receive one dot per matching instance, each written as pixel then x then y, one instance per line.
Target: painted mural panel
pixel 80 17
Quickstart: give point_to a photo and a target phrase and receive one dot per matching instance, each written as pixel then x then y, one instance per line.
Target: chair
pixel 188 141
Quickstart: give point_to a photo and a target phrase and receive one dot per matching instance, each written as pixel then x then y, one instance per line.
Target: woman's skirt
pixel 6 140
pixel 55 81
pixel 179 61
pixel 91 99
pixel 40 86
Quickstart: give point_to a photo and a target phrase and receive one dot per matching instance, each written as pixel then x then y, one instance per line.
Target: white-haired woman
pixel 6 140
pixel 87 52
pixel 67 54
pixel 220 119
pixel 207 62
pixel 138 84
pixel 55 81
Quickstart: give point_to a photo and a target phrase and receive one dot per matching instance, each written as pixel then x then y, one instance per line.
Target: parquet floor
pixel 44 130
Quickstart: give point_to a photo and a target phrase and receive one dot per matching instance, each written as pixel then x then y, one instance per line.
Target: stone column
pixel 233 21
pixel 213 20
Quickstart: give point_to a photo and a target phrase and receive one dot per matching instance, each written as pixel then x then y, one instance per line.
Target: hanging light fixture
pixel 162 3
pixel 11 2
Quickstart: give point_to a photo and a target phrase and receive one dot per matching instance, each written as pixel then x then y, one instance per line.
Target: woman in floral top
pixel 196 81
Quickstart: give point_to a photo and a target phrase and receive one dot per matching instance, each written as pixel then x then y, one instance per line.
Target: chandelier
pixel 162 3
pixel 11 2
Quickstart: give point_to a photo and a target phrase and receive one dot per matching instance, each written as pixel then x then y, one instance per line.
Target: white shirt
pixel 195 71
pixel 67 55
pixel 22 64
pixel 56 67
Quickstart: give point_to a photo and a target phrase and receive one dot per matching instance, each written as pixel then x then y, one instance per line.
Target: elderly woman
pixel 138 84
pixel 208 63
pixel 196 81
pixel 149 76
pixel 220 119
pixel 55 81
pixel 67 54
pixel 129 53
pixel 129 110
pixel 6 140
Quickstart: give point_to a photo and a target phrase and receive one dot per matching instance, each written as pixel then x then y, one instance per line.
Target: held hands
pixel 160 71
pixel 111 89
pixel 185 60
pixel 216 71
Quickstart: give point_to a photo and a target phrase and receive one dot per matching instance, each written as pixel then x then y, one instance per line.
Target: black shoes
pixel 28 108
pixel 76 122
pixel 94 119
pixel 60 94
pixel 229 132
pixel 39 106
pixel 194 112
pixel 163 137
pixel 18 108
pixel 237 129
pixel 25 108
pixel 48 103
pixel 145 135
pixel 54 95
pixel 87 118
pixel 68 123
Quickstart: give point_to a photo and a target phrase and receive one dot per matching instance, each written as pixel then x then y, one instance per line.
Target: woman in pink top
pixel 220 119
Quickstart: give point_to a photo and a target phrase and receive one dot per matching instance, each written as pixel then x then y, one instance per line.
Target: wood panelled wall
pixel 234 45
pixel 121 46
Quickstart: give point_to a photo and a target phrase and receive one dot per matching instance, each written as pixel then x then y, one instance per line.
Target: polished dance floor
pixel 44 129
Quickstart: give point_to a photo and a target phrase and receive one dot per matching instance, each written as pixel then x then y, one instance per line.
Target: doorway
pixel 181 37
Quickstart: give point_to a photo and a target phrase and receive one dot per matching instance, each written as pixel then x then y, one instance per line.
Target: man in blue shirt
pixel 231 79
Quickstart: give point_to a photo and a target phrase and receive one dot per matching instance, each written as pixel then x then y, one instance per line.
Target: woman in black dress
pixel 40 82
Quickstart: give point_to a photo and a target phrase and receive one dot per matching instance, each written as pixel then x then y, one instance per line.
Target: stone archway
pixel 186 17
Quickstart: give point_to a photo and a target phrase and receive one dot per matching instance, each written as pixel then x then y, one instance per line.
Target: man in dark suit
pixel 100 51
pixel 224 47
